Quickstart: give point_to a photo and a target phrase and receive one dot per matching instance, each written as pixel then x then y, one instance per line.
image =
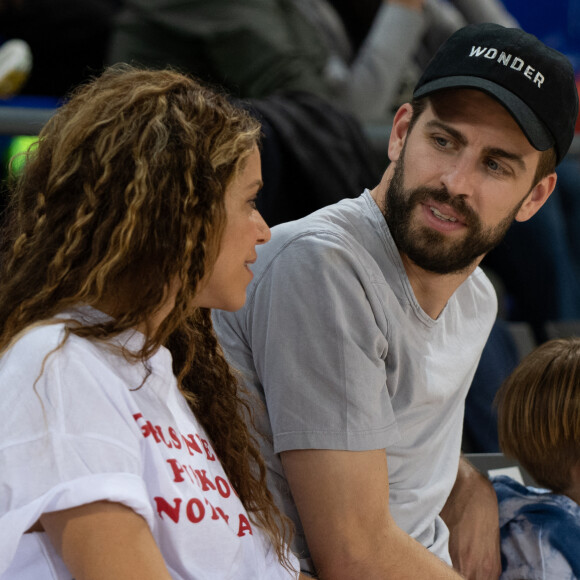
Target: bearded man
pixel 365 321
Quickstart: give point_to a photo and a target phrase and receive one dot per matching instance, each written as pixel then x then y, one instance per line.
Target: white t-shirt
pixel 87 427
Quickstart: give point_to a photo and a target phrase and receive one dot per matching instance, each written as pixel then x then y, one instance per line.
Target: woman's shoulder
pixel 36 341
pixel 44 344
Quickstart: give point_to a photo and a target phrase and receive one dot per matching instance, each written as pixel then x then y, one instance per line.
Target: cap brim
pixel 532 127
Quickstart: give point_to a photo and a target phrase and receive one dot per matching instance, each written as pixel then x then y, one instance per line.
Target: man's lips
pixel 444 212
pixel 436 217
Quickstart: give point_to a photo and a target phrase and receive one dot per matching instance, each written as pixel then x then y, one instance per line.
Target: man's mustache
pixel 441 195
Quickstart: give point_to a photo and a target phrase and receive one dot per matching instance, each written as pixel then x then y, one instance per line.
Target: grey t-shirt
pixel 334 342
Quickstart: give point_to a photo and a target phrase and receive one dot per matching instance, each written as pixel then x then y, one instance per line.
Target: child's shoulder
pixel 539 532
pixel 538 505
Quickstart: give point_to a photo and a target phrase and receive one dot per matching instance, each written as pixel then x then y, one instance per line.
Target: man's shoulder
pixel 336 223
pixel 302 252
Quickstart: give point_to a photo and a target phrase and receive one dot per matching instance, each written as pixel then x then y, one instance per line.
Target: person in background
pixel 440 19
pixel 262 47
pixel 265 47
pixel 539 425
pixel 124 452
pixel 365 321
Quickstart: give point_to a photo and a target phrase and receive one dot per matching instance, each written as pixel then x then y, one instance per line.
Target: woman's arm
pixel 104 540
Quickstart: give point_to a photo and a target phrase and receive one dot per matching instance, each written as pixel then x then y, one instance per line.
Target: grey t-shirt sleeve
pixel 319 348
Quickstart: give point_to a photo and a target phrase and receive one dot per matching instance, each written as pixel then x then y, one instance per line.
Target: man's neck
pixel 431 290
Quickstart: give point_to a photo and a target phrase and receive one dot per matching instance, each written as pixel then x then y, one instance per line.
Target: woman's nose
pixel 264 233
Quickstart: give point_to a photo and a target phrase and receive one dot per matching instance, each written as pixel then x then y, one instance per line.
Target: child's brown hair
pixel 539 413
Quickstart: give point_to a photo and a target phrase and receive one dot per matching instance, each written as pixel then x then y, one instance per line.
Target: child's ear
pixel 573 491
pixel 575 474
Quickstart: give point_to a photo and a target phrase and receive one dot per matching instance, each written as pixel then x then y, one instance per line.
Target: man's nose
pixel 459 177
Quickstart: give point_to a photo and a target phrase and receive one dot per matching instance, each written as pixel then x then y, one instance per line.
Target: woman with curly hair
pixel 124 450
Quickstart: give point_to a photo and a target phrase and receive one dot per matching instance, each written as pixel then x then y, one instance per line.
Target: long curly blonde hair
pixel 123 193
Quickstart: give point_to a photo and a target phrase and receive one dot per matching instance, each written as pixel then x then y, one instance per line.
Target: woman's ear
pixel 399 130
pixel 537 197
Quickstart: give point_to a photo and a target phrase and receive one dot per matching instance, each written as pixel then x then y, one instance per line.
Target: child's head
pixel 539 413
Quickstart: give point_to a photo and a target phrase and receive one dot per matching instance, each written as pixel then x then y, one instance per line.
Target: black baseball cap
pixel 534 82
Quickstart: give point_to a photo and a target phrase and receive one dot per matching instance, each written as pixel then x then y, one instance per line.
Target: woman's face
pixel 245 229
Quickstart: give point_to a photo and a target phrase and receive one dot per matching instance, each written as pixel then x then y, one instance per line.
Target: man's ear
pixel 537 197
pixel 399 130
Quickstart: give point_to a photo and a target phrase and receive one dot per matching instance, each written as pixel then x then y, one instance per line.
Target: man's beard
pixel 428 248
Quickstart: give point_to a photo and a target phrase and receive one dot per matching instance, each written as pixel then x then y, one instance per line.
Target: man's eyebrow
pixel 490 151
pixel 458 136
pixel 502 153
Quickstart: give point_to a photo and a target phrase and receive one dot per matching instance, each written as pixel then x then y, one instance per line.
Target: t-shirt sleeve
pixel 68 438
pixel 319 349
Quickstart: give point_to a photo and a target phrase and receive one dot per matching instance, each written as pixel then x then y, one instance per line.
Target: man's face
pixel 427 247
pixel 462 175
